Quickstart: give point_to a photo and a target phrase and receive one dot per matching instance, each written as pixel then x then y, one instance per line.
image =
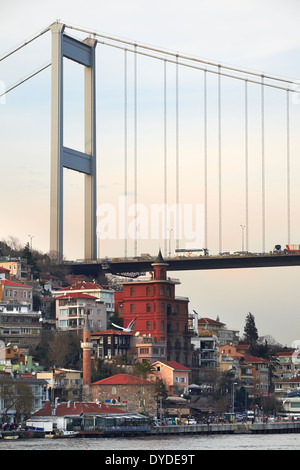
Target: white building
pixel 72 308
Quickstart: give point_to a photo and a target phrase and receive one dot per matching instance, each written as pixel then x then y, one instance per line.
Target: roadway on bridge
pixel 139 265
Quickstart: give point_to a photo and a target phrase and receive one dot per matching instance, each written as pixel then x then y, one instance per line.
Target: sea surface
pixel 161 444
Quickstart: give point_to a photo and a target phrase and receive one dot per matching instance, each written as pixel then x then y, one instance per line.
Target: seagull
pixel 129 327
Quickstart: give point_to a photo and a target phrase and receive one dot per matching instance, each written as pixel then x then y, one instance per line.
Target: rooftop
pixel 123 379
pixel 76 408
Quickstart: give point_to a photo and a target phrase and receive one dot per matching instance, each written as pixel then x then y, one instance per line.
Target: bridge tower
pixel 82 52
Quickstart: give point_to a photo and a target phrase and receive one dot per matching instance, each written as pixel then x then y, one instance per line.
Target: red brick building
pixel 161 314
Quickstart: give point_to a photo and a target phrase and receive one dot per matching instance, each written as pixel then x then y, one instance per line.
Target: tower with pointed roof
pixel 160 314
pixel 86 346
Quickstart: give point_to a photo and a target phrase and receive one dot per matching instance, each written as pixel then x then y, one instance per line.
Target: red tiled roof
pixel 5 282
pixel 123 379
pixel 76 295
pixel 4 270
pixel 209 321
pixel 254 359
pixel 76 408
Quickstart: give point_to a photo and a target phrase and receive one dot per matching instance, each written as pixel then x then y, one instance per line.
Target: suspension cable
pixel 220 160
pixel 288 166
pixel 165 155
pixel 176 55
pixel 263 162
pixel 205 160
pixel 246 167
pixel 177 159
pixel 25 43
pixel 135 150
pixel 25 79
pixel 125 154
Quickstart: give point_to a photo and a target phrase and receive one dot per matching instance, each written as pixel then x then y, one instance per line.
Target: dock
pixel 231 428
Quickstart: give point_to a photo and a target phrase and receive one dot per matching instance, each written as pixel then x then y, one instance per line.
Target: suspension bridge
pixel 199 151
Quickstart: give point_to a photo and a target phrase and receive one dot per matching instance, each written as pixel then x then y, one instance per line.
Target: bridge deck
pixel 122 265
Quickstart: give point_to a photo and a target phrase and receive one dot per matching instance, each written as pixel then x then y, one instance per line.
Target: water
pixel 161 444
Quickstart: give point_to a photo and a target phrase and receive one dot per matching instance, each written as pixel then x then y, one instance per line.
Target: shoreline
pixel 194 429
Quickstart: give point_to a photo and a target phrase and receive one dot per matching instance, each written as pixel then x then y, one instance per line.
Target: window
pixel 162 325
pixel 131 308
pixel 148 308
pixel 148 291
pixel 148 325
pixel 162 290
pixel 131 291
pixel 162 307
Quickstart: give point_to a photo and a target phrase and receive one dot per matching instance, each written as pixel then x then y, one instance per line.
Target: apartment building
pixel 72 308
pixel 102 293
pixel 19 325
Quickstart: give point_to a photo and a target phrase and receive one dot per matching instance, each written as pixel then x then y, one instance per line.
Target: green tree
pixel 250 332
pixel 143 369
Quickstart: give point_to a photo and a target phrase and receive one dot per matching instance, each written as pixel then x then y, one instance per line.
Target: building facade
pixel 103 294
pixel 11 291
pixel 131 393
pixel 160 314
pixel 19 325
pixel 72 308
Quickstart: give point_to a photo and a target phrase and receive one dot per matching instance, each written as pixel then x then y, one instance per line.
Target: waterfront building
pixel 159 313
pixel 128 392
pixel 84 416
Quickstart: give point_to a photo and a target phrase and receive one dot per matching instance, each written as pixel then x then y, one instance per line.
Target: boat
pixel 61 433
pixel 11 437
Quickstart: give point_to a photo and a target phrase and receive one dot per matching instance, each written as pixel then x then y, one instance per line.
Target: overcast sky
pixel 261 36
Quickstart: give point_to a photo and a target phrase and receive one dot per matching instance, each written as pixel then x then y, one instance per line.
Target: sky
pixel 261 36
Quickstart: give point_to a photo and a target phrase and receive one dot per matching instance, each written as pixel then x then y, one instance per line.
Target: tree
pixel 143 369
pixel 250 331
pixel 17 397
